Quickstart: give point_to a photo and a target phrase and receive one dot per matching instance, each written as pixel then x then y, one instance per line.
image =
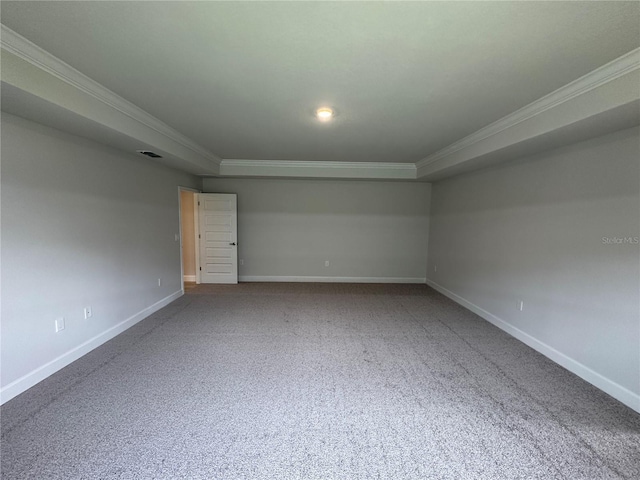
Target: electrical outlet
pixel 159 282
pixel 87 312
pixel 520 305
pixel 241 262
pixel 177 237
pixel 326 263
pixel 435 268
pixel 59 324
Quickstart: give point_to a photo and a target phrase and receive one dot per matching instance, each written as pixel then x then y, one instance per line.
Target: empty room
pixel 320 240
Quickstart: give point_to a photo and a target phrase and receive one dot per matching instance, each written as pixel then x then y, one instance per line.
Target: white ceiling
pixel 242 79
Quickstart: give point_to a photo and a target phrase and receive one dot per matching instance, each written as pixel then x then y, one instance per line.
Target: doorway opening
pixel 188 244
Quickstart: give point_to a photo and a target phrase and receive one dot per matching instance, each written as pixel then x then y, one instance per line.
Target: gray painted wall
pixel 82 225
pixel 536 231
pixel 368 231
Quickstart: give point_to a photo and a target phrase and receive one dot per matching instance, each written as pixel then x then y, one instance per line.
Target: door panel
pixel 218 238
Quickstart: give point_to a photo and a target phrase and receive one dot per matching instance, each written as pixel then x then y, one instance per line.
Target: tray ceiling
pixel 240 80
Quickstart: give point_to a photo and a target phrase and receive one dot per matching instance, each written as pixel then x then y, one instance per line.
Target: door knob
pixel 233 243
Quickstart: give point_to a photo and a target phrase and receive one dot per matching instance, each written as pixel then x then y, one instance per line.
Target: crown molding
pixel 547 111
pixel 609 72
pixel 317 169
pixel 28 51
pixel 317 164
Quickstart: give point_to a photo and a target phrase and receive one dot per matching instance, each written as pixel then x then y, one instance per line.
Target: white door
pixel 218 237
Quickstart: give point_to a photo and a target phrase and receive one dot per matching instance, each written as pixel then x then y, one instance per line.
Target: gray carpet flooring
pixel 316 381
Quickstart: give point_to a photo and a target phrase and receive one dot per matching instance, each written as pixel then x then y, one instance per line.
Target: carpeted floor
pixel 317 381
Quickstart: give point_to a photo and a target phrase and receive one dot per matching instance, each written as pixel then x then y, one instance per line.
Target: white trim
pixel 306 164
pixel 592 80
pixel 271 278
pixel 189 278
pixel 23 48
pixel 189 189
pixel 315 169
pixel 30 379
pixel 624 395
pixel 29 52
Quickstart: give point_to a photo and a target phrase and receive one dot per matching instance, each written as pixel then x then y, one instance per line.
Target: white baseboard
pixel 624 395
pixel 268 278
pixel 30 379
pixel 189 278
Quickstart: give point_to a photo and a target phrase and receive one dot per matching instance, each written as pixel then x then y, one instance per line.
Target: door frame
pixel 196 236
pixel 195 219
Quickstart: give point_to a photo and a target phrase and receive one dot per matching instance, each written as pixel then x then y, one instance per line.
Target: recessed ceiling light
pixel 325 113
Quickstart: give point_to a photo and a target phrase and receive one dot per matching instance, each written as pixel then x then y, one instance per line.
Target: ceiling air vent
pixel 149 154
